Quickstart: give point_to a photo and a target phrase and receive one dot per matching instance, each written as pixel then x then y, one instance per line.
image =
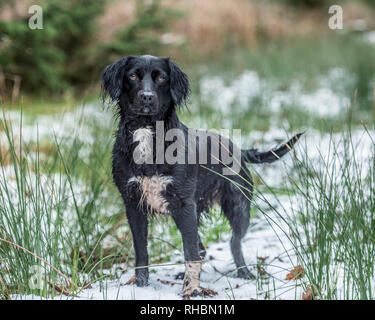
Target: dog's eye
pixel 160 78
pixel 133 77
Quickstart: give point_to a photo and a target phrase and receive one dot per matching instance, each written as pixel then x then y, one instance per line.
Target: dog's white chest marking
pixel 152 188
pixel 144 150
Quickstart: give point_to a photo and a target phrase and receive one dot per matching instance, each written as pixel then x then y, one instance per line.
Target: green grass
pixel 57 207
pixel 58 200
pixel 332 226
pixel 304 61
pixel 37 197
pixel 329 219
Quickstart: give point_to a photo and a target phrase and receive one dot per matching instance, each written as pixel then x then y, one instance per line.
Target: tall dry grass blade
pixel 41 259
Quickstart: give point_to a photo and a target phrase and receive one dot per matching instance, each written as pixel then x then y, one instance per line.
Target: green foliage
pixel 143 34
pixel 336 227
pixel 52 57
pixel 370 2
pixel 309 3
pixel 30 54
pixel 63 53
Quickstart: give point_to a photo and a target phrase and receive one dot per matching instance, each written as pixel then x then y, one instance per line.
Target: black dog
pixel 147 90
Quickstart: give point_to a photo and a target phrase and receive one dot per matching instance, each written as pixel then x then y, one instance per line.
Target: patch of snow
pixel 323 102
pixel 77 123
pixel 218 274
pixel 370 37
pixel 237 96
pixel 265 239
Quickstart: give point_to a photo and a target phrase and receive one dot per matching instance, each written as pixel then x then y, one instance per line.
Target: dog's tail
pixel 254 156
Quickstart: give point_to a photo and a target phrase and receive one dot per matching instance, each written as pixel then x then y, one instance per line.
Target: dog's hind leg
pixel 202 249
pixel 237 209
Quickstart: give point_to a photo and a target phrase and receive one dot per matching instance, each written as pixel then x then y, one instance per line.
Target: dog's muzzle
pixel 147 102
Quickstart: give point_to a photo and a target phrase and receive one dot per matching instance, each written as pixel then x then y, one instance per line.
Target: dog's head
pixel 145 85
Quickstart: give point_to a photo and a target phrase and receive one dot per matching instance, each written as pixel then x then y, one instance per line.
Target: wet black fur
pixel 194 187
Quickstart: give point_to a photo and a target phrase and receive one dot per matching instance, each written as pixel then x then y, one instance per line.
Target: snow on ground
pixel 264 243
pixel 238 95
pixel 370 37
pixel 77 123
pixel 218 273
pixel 320 147
pixel 242 90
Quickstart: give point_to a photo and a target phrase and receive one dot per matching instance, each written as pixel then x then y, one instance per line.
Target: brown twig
pixel 167 282
pixel 59 289
pixel 131 280
pixel 41 259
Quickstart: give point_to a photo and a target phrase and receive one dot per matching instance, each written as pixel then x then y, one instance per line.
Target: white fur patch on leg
pixel 152 188
pixel 191 279
pixel 144 150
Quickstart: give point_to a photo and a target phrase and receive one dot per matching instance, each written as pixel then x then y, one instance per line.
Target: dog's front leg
pixel 138 225
pixel 186 221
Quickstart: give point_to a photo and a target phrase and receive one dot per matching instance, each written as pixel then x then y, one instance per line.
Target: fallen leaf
pixel 208 292
pixel 59 289
pixel 171 283
pixel 295 274
pixel 87 286
pixel 262 259
pixel 131 280
pixel 310 294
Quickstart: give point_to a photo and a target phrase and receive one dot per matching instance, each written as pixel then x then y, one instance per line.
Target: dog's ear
pixel 112 79
pixel 179 84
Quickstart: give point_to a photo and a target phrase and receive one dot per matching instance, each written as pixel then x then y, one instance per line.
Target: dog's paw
pixel 201 292
pixel 194 293
pixel 244 273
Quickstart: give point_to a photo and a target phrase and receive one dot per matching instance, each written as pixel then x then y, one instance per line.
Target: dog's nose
pixel 146 110
pixel 147 97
